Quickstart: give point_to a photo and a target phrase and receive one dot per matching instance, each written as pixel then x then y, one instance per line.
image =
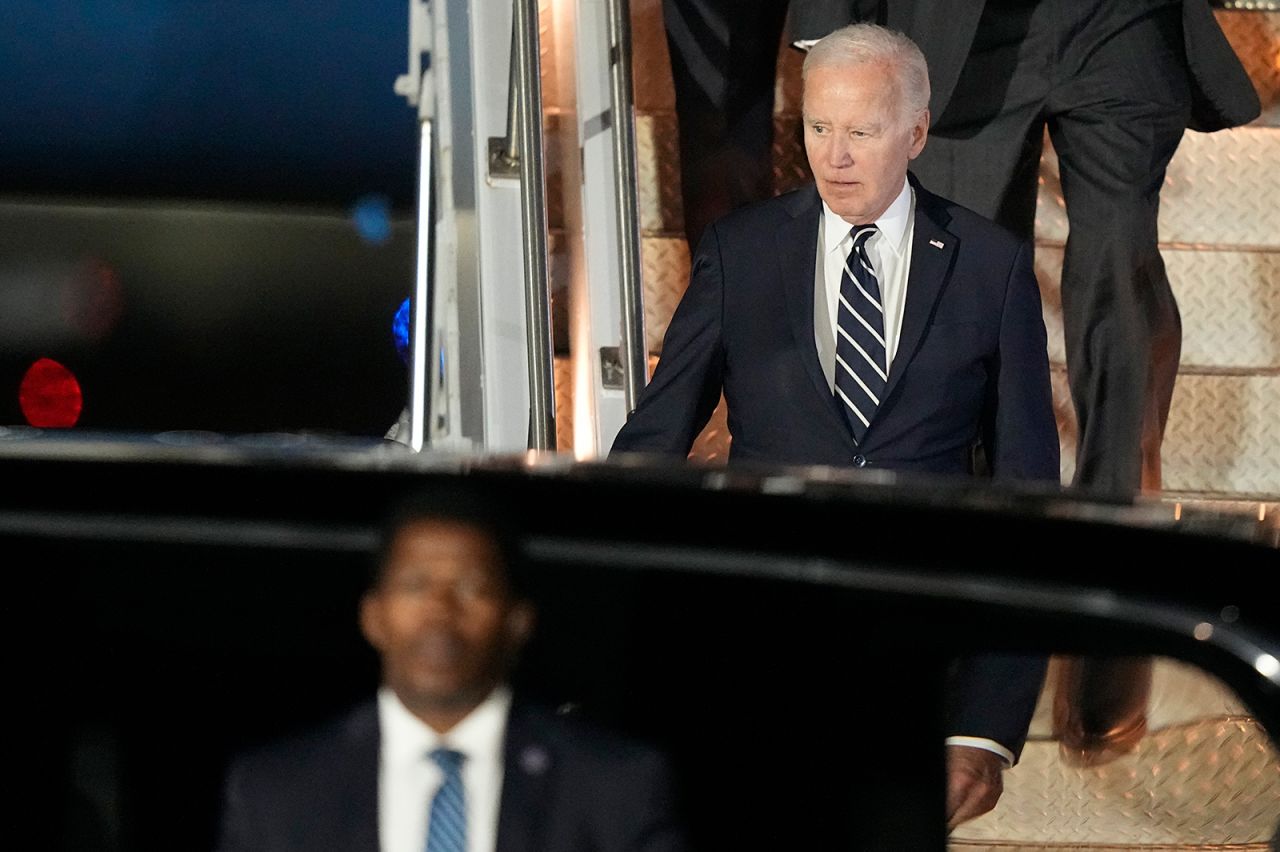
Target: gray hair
pixel 869 44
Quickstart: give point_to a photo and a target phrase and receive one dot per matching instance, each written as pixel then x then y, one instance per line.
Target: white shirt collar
pixel 480 734
pixel 893 224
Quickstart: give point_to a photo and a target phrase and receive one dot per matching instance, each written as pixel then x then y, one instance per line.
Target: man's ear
pixel 520 621
pixel 371 621
pixel 919 134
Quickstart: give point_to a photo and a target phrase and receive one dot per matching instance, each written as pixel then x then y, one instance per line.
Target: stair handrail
pixel 528 77
pixel 633 348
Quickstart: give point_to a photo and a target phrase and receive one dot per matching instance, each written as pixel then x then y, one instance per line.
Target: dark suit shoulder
pixel 314 790
pixel 751 219
pixel 965 223
pixel 316 749
pixel 599 789
pixel 574 737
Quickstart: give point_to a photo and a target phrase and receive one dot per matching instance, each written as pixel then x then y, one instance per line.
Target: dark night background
pixel 176 211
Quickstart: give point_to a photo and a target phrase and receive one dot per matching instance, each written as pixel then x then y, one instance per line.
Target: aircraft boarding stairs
pixel 1203 775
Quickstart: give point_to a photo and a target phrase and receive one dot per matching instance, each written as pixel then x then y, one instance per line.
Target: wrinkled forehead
pixel 871 81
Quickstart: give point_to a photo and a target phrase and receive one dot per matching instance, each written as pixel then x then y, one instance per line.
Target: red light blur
pixel 50 395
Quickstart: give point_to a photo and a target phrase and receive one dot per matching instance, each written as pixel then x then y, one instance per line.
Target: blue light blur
pixel 372 217
pixel 400 330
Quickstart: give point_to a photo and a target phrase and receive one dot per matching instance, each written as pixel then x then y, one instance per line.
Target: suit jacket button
pixel 859 460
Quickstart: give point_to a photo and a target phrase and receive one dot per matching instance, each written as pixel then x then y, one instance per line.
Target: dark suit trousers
pixel 724 54
pixel 1109 81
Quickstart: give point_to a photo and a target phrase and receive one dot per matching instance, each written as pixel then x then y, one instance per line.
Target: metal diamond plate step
pixel 664 265
pixel 1205 776
pixel 1229 300
pixel 562 375
pixel 790 164
pixel 1255 36
pixel 1208 784
pixel 651 64
pixel 1223 435
pixel 658 167
pixel 658 174
pixel 1221 189
pixel 1180 693
pixel 547 55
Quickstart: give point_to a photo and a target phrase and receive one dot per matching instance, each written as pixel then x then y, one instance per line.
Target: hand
pixel 974 783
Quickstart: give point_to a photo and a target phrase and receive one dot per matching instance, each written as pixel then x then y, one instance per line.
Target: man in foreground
pixel 447 759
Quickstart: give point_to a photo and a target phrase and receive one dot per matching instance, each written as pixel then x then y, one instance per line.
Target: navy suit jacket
pixel 565 787
pixel 971 364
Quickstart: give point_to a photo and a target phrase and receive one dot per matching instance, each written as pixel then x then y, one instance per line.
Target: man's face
pixel 443 617
pixel 857 139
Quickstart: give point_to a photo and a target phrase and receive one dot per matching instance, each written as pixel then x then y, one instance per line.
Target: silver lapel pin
pixel 936 243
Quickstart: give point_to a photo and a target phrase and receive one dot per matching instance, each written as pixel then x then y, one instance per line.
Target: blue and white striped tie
pixel 861 364
pixel 447 828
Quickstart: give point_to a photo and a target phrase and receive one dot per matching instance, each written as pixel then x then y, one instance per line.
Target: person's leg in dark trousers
pixel 1111 80
pixel 984 149
pixel 724 56
pixel 1116 119
pixel 984 152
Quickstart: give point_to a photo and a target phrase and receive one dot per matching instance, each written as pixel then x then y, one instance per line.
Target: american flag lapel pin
pixel 936 243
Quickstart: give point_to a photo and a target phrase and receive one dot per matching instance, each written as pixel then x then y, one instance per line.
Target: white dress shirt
pixel 890 252
pixel 408 779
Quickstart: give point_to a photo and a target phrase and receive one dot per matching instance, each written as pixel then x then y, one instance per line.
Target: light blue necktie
pixel 861 365
pixel 447 827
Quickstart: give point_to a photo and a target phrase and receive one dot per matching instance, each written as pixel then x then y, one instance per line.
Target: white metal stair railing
pixel 481 358
pixel 607 322
pixel 533 207
pixel 483 215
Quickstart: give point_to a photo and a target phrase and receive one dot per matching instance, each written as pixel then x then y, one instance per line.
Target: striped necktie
pixel 447 828
pixel 860 370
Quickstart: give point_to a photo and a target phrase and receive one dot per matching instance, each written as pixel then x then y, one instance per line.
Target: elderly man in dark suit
pixel 447 759
pixel 1115 83
pixel 865 322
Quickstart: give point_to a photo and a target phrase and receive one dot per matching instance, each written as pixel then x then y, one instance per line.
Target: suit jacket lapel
pixel 797 244
pixel 526 779
pixel 932 249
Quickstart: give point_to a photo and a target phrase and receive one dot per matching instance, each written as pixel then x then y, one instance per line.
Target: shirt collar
pixel 893 224
pixel 407 739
